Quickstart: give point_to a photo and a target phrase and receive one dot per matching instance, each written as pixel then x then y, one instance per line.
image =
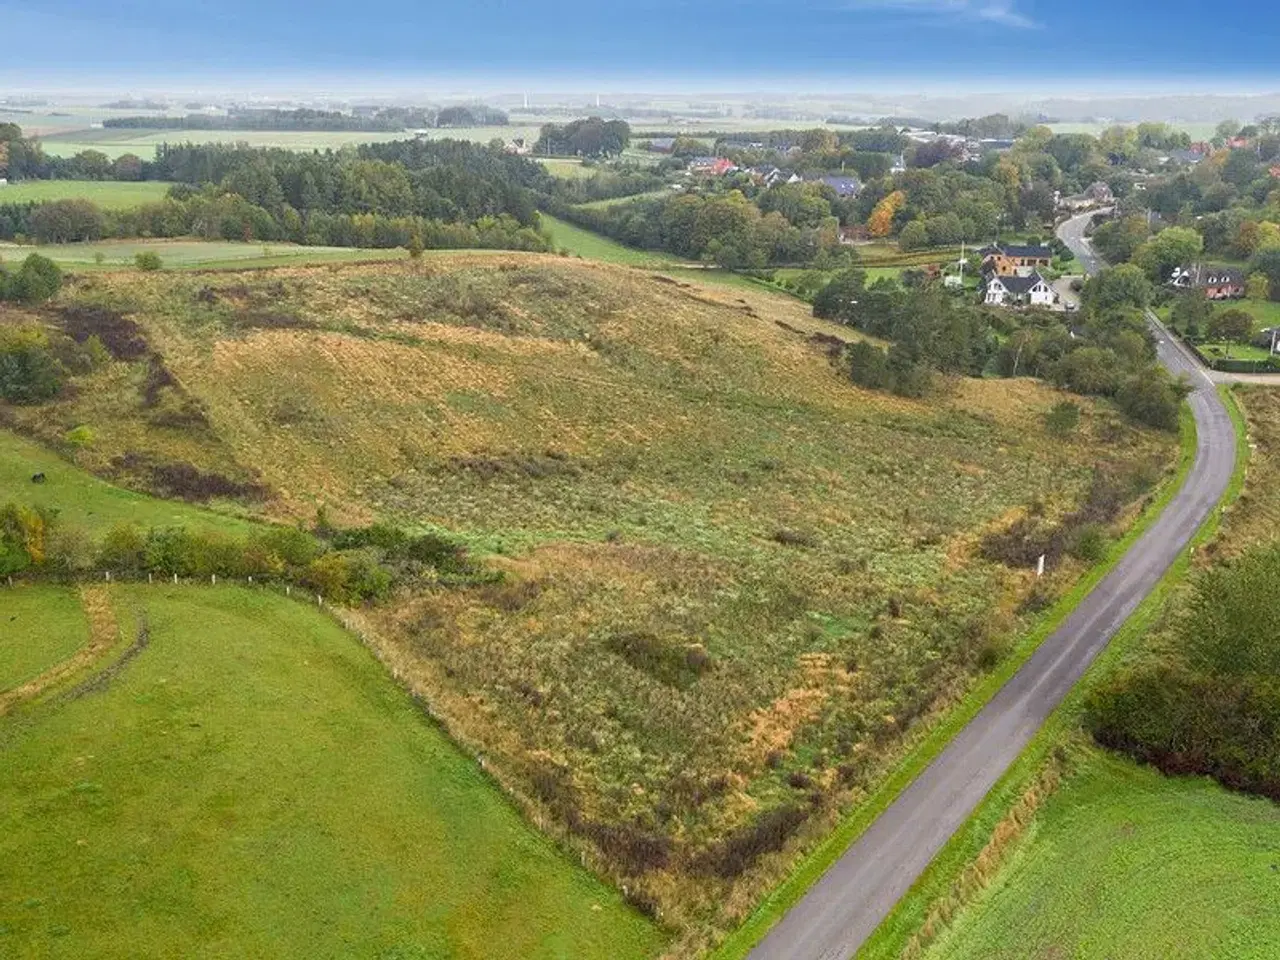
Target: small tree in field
pixel 148 260
pixel 415 247
pixel 1258 287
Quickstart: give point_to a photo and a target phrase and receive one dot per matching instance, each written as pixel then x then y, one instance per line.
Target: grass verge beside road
pixel 825 854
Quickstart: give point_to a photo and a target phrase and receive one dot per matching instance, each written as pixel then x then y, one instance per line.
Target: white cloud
pixel 992 11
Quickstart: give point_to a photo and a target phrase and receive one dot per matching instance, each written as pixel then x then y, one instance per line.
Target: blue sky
pixel 903 44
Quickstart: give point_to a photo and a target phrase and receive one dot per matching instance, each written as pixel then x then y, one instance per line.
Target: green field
pixel 1233 351
pixel 194 254
pixel 593 246
pixel 39 627
pixel 566 169
pixel 254 784
pixel 84 500
pixel 618 201
pixel 1123 862
pixel 108 194
pixel 115 142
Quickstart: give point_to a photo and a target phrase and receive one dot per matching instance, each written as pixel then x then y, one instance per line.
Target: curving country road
pixel 840 911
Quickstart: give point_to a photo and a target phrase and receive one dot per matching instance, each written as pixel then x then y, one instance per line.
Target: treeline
pixel 384 120
pixel 1211 704
pixel 589 137
pixel 210 215
pixel 343 566
pixel 1103 351
pixel 446 193
pixel 725 229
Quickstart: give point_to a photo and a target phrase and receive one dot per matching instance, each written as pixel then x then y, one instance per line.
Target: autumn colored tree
pixel 1257 287
pixel 880 223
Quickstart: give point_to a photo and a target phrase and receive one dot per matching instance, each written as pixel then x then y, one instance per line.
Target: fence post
pixel 107 574
pixel 148 576
pixel 175 579
pixel 213 579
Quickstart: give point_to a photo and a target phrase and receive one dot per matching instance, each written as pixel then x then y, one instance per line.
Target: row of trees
pixel 212 215
pixel 354 566
pixel 726 229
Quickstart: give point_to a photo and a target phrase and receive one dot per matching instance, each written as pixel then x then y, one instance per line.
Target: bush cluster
pixel 353 566
pixel 1212 705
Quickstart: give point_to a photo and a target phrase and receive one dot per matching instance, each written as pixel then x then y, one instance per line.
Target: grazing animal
pixel 38 478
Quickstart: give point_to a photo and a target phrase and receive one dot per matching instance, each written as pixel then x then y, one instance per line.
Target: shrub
pixel 741 849
pixel 1213 706
pixel 1063 419
pixel 148 260
pixel 30 373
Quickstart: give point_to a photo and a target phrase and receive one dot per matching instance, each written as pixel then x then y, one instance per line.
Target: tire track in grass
pixel 104 634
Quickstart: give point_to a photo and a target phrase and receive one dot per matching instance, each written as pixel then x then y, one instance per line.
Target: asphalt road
pixel 838 914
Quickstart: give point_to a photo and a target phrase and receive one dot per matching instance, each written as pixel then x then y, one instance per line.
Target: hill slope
pixel 734 583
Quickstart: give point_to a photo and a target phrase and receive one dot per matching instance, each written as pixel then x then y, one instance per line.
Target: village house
pixel 1010 260
pixel 1218 283
pixel 845 187
pixel 1097 194
pixel 711 166
pixel 1016 291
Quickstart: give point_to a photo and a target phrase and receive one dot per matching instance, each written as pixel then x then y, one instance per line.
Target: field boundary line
pixel 892 938
pixel 104 634
pixel 811 866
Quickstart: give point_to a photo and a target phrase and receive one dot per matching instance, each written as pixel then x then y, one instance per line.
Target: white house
pixel 1017 291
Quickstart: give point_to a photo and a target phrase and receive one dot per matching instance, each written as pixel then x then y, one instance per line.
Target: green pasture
pixel 108 194
pixel 39 627
pixel 254 784
pixel 1123 862
pixel 194 254
pixel 83 500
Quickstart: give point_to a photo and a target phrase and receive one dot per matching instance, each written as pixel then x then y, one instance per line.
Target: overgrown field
pixel 250 782
pixel 735 585
pixel 108 194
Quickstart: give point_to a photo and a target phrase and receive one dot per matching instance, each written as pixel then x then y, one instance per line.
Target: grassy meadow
pixel 193 254
pixel 39 627
pixel 734 586
pixel 108 194
pixel 253 783
pixel 1123 862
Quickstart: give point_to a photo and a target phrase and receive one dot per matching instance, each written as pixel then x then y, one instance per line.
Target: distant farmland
pixel 117 142
pixel 108 194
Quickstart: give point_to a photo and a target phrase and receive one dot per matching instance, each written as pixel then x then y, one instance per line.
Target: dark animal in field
pixel 38 478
